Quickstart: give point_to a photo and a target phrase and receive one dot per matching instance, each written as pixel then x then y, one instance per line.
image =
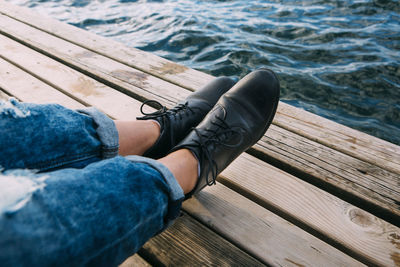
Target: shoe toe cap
pixel 258 91
pixel 255 99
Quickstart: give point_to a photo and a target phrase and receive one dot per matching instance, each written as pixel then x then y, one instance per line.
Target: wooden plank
pixel 353 230
pixel 89 61
pixel 144 61
pixel 189 243
pixel 25 87
pixel 352 142
pixel 326 132
pixel 356 181
pixel 126 79
pixel 261 232
pixel 305 254
pixel 68 81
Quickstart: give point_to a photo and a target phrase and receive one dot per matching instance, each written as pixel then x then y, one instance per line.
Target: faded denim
pixel 66 198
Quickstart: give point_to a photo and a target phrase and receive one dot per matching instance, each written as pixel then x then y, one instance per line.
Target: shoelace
pixel 219 137
pixel 163 110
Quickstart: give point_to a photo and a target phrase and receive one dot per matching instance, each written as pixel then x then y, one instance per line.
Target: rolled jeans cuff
pixel 106 130
pixel 176 195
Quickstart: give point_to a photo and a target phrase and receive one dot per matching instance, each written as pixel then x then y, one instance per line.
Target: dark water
pixel 338 59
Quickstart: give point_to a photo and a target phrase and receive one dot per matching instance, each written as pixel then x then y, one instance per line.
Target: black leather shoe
pixel 238 121
pixel 177 122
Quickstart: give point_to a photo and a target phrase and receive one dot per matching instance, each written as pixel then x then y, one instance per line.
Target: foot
pixel 177 122
pixel 238 121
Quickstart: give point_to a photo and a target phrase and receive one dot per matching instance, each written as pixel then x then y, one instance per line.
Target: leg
pixel 98 215
pixel 45 137
pixel 184 166
pixel 135 137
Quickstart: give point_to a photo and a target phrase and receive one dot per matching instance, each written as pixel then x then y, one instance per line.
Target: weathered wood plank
pixel 355 231
pixel 354 180
pixel 141 60
pixel 69 81
pixel 326 132
pixel 189 243
pixel 305 254
pixel 25 87
pixel 349 141
pixel 126 79
pixel 253 228
pixel 62 49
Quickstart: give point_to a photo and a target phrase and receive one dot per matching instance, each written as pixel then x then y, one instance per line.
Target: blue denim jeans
pixel 67 198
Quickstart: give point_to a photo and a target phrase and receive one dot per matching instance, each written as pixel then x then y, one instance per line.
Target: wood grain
pixel 342 138
pixel 126 79
pixel 339 137
pixel 261 232
pixel 356 181
pixel 354 230
pixel 25 87
pixel 189 243
pixel 144 61
pixel 68 81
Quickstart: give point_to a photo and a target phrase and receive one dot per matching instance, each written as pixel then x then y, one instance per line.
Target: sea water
pixel 339 59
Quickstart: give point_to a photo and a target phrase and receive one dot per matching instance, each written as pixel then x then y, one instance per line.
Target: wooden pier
pixel 311 192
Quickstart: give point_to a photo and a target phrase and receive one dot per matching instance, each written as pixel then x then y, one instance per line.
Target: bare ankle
pixel 135 137
pixel 184 166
